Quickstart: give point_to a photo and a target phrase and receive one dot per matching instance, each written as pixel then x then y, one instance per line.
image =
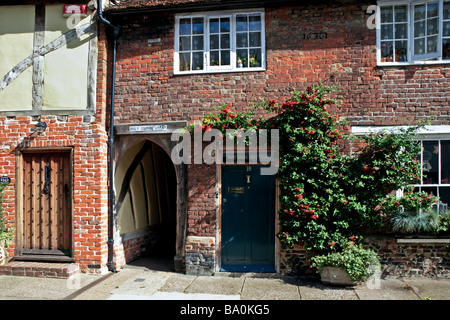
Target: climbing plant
pixel 328 197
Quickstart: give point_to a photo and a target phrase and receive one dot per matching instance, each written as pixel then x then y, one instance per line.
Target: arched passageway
pixel 146 205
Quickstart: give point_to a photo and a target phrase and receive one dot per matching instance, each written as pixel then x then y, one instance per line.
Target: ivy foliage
pixel 6 233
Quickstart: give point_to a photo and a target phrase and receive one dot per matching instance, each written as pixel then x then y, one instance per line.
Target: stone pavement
pixel 141 283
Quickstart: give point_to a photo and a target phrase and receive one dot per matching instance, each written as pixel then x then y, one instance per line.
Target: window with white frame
pixel 413 31
pixel 219 42
pixel 435 172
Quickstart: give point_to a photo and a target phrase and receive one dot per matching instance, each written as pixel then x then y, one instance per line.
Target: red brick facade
pixel 148 91
pixel 86 135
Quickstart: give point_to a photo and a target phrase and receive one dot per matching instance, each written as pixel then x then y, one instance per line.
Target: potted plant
pixel 351 266
pixel 6 234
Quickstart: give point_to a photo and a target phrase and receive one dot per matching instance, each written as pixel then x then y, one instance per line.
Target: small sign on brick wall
pixel 315 36
pixel 149 128
pixel 5 179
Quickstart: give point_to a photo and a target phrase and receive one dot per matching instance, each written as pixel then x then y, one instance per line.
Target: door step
pixel 39 269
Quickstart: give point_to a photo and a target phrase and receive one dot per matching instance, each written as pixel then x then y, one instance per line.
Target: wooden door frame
pixel 20 205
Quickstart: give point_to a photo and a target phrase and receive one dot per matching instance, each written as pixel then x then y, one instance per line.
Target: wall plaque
pixel 312 36
pixel 149 128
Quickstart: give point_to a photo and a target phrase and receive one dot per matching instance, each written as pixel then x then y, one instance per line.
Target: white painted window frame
pixel 428 133
pixel 206 51
pixel 411 58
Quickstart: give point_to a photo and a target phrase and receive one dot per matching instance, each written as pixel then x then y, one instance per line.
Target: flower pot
pixel 336 276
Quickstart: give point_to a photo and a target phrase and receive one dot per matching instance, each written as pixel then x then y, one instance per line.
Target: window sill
pixel 407 64
pixel 424 240
pixel 181 73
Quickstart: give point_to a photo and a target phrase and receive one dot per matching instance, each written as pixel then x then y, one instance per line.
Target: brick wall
pixel 147 90
pixel 201 219
pixel 397 259
pixel 87 136
pixel 90 196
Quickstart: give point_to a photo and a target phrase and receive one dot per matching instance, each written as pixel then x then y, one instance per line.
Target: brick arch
pixel 123 144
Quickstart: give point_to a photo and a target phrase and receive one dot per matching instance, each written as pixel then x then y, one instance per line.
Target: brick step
pixel 39 269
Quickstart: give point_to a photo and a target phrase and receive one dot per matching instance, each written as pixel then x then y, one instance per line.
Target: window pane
pixel 197 26
pixel 419 46
pixel 197 43
pixel 225 25
pixel 185 61
pixel 214 58
pixel 401 31
pixel 430 162
pixel 214 26
pixel 446 49
pixel 255 39
pixel 445 162
pixel 447 10
pixel 386 14
pixel 419 29
pixel 387 51
pixel 185 43
pixel 387 31
pixel 241 40
pixel 197 61
pixel 401 14
pixel 432 44
pixel 419 12
pixel 242 55
pixel 214 42
pixel 432 26
pixel 401 51
pixel 241 23
pixel 185 26
pixel 254 22
pixel 432 10
pixel 444 195
pixel 225 58
pixel 225 41
pixel 255 58
pixel 430 190
pixel 446 29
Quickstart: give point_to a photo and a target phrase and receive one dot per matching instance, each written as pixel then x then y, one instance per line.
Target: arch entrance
pixel 149 210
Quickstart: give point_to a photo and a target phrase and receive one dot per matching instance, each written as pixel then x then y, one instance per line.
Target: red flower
pixel 331 244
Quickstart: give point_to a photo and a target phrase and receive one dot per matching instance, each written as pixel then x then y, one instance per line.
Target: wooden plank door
pixel 47 204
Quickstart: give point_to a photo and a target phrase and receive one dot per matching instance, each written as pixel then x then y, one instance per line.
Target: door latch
pixel 47 176
pixel 248 178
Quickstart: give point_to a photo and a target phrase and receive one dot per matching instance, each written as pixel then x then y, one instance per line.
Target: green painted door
pixel 248 219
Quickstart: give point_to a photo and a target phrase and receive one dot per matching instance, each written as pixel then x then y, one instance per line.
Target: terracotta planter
pixel 337 276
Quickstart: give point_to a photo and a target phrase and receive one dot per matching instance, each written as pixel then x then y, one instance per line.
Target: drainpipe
pixel 115 30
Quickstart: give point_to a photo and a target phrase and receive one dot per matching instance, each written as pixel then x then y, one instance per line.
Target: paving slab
pixel 175 296
pixel 429 289
pixel 392 289
pixel 270 289
pixel 216 285
pixel 315 290
pixel 36 288
pixel 177 282
pixel 145 283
